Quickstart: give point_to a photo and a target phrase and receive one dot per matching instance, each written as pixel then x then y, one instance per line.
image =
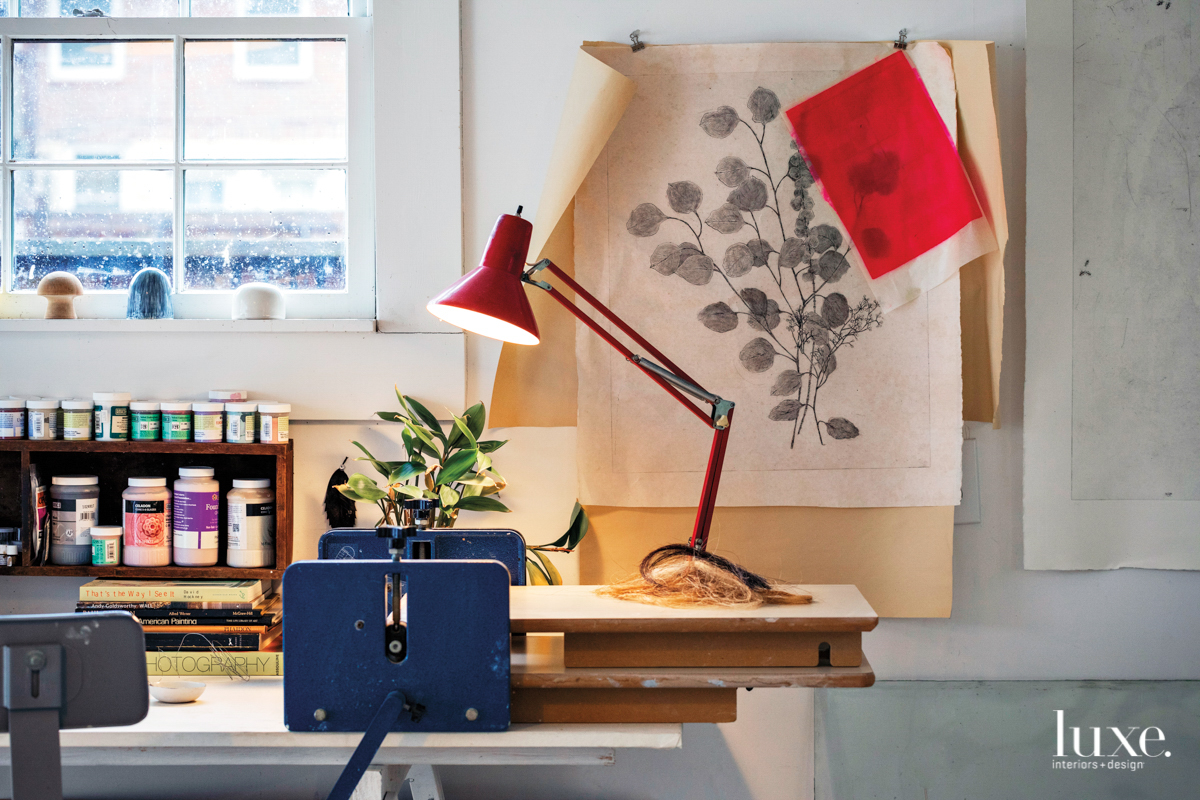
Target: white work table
pixel 241 722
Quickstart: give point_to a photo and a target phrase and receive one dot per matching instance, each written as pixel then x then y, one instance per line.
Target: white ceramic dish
pixel 176 691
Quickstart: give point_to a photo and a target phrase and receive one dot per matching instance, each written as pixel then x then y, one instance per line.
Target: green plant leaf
pixel 379 465
pixel 476 417
pixel 427 417
pixel 346 491
pixel 472 489
pixel 366 488
pixel 405 470
pixel 481 504
pixel 391 416
pixel 577 528
pixel 456 466
pixel 415 492
pixel 491 445
pixel 455 437
pixel 421 434
pixel 548 566
pixel 462 427
pixel 449 497
pixel 534 574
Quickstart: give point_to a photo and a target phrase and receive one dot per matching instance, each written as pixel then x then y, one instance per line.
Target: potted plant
pixel 454 468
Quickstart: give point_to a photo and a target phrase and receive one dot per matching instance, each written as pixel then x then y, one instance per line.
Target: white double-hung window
pixel 223 142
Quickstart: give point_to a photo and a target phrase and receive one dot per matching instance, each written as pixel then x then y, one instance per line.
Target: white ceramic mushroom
pixel 60 290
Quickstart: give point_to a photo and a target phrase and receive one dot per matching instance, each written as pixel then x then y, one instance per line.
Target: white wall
pixel 1007 623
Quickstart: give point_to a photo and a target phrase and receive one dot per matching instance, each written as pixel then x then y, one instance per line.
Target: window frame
pixel 358 300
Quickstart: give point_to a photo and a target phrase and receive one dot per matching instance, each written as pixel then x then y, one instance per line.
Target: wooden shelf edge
pixel 148 573
pixel 130 446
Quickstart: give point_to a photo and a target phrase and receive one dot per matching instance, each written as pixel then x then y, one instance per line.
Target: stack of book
pixel 183 616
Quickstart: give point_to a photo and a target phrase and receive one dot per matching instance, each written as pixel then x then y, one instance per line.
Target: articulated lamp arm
pixel 671 378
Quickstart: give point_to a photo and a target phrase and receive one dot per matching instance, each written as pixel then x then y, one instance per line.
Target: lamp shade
pixel 490 299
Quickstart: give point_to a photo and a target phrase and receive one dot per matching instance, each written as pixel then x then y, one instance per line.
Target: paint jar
pixel 73 503
pixel 147 522
pixel 12 418
pixel 273 422
pixel 228 395
pixel 41 419
pixel 239 423
pixel 112 416
pixel 197 501
pixel 250 530
pixel 208 422
pixel 176 422
pixel 77 419
pixel 145 422
pixel 106 545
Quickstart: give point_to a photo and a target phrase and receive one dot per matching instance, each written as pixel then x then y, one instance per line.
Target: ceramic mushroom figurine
pixel 60 290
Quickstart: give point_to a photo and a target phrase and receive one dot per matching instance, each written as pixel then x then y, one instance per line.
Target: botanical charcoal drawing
pixel 804 324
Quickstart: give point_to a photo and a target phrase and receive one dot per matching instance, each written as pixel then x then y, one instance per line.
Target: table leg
pixel 425 782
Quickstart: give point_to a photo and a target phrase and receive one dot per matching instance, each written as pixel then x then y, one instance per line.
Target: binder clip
pixel 901 42
pixel 637 44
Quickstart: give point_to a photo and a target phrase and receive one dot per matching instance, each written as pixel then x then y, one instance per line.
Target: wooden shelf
pixel 89 446
pixel 84 570
pixel 114 463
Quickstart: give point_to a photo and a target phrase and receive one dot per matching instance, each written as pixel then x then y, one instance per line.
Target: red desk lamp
pixel 490 300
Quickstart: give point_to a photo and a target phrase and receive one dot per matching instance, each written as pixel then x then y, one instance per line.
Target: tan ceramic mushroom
pixel 60 290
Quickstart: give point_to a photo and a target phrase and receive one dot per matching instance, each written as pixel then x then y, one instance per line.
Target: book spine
pixel 203 641
pixel 250 663
pixel 204 622
pixel 156 630
pixel 171 594
pixel 248 609
pixel 197 617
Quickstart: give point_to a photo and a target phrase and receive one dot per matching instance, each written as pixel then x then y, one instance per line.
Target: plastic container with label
pixel 145 422
pixel 112 416
pixel 250 530
pixel 273 422
pixel 197 503
pixel 106 545
pixel 74 500
pixel 77 419
pixel 41 419
pixel 239 423
pixel 228 395
pixel 147 522
pixel 176 422
pixel 208 422
pixel 12 418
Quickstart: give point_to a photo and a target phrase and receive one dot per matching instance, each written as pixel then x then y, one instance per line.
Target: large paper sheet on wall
pixel 750 285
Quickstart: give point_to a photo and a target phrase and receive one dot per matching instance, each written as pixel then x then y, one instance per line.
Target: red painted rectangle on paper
pixel 886 163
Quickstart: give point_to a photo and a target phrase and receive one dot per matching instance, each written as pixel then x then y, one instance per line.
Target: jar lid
pixel 241 408
pixel 175 405
pixel 143 405
pixel 11 402
pixel 75 480
pixel 78 404
pixel 207 408
pixel 274 408
pixel 41 404
pixel 260 483
pixel 116 398
pixel 196 472
pixel 224 395
pixel 147 481
pixel 106 531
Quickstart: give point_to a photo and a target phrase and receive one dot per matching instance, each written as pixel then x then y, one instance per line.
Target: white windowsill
pixel 187 325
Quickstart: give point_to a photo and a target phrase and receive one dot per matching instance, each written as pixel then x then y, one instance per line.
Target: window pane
pixel 107 100
pixel 109 8
pixel 269 8
pixel 286 227
pixel 265 99
pixel 101 224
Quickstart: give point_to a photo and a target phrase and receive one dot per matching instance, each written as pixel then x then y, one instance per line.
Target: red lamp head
pixel 490 299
